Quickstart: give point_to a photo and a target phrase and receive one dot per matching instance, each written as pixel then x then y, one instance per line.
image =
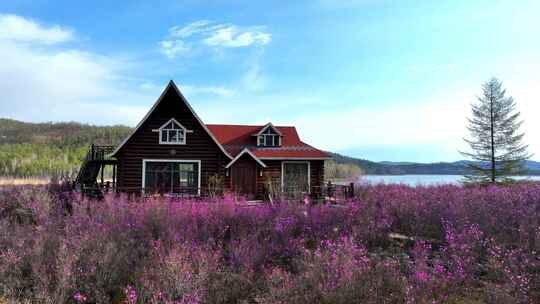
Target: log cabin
pixel 171 150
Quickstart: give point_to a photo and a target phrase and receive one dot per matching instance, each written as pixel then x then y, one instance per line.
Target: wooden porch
pixel 91 177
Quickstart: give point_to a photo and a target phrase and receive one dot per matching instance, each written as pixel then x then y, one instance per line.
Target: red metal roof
pixel 234 138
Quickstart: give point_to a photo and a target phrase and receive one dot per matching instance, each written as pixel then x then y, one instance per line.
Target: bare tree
pixel 496 144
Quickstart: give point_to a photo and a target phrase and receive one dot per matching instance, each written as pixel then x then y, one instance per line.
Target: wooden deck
pixel 93 167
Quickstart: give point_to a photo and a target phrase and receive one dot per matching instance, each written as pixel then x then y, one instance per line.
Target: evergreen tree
pixel 496 143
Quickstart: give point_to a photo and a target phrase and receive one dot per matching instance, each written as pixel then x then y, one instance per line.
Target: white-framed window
pixel 296 177
pixel 269 138
pixel 176 176
pixel 172 133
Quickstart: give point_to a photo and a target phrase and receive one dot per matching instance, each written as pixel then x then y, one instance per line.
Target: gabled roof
pixel 236 138
pixel 246 151
pixel 171 86
pixel 268 125
pixel 242 134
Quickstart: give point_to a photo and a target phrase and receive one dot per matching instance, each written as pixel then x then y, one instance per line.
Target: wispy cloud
pixel 208 90
pixel 253 79
pixel 181 40
pixel 191 90
pixel 19 29
pixel 172 48
pixel 66 82
pixel 86 86
pixel 233 36
pixel 201 26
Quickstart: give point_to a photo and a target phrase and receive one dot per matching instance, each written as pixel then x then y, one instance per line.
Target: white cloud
pixel 200 26
pixel 232 36
pixel 211 90
pixel 149 86
pixel 253 79
pixel 16 28
pixel 42 82
pixel 181 40
pixel 172 48
pixel 41 85
pixel 438 122
pixel 191 90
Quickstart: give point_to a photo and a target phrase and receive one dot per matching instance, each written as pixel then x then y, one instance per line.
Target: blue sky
pixel 382 80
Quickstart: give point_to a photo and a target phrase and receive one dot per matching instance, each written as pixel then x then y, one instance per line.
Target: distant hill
pixel 396 163
pixel 398 168
pixel 63 134
pixel 533 165
pixel 45 149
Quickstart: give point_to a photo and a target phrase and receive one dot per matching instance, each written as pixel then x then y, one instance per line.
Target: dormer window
pixel 269 138
pixel 172 133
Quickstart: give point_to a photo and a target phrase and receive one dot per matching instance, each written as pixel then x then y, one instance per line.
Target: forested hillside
pixel 45 149
pixel 399 168
pixel 48 149
pixel 367 166
pixel 396 168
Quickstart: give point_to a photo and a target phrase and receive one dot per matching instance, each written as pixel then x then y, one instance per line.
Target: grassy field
pixel 20 181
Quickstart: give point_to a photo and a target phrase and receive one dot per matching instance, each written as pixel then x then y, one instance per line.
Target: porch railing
pixel 99 152
pixel 327 192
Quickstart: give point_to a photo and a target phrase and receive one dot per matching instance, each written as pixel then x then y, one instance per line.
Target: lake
pixel 426 180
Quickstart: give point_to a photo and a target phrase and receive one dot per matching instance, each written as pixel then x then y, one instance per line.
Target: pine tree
pixel 496 143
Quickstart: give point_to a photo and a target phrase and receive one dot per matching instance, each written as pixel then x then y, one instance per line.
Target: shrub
pixel 463 245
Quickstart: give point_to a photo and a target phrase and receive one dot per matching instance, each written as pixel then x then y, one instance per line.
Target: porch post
pixel 114 177
pixel 102 167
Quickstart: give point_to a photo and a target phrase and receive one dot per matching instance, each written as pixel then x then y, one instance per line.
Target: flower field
pixel 391 244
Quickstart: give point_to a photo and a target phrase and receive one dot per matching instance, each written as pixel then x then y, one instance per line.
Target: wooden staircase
pixel 93 164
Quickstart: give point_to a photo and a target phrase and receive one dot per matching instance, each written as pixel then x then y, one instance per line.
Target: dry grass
pixel 20 181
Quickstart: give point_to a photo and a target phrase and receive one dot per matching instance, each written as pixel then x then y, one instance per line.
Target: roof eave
pixel 268 125
pixel 295 158
pixel 245 150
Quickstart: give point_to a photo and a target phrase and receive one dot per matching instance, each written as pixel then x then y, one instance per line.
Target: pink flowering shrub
pixel 390 244
pixel 338 271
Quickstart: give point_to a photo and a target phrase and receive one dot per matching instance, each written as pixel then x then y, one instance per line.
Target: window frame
pixel 261 141
pixel 276 138
pixel 197 161
pixel 283 163
pixel 164 128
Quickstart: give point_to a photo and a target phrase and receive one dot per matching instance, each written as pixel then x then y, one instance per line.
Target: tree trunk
pixel 492 131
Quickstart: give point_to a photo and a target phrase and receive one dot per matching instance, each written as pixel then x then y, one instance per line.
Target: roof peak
pixel 172 86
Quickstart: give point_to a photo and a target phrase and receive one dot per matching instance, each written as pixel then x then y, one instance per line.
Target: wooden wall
pixel 144 144
pixel 317 177
pixel 273 173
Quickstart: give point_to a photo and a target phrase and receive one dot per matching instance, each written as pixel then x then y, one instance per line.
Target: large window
pixel 295 177
pixel 171 176
pixel 269 139
pixel 172 133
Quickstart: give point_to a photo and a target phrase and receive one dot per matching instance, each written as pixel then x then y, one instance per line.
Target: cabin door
pixel 244 177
